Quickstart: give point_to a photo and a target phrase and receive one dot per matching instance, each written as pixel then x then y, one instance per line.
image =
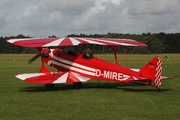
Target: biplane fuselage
pixel 92 68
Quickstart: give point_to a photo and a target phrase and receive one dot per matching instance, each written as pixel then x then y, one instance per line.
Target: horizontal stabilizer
pixel 162 77
pixel 52 78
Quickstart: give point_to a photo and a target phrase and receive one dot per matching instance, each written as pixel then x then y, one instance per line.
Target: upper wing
pixel 69 41
pixel 59 77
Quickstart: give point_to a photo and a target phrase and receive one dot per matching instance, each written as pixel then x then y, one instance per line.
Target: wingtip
pixel 10 40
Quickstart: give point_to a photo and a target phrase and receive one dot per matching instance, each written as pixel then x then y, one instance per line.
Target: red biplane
pixel 74 68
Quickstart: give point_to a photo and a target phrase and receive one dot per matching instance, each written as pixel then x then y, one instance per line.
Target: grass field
pixel 94 100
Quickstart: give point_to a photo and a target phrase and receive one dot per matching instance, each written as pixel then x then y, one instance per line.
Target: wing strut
pixel 115 49
pixel 125 56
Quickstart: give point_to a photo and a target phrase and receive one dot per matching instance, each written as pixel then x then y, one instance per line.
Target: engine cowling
pixel 45 52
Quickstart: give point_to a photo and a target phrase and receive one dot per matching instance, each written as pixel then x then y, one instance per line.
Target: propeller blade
pixel 34 58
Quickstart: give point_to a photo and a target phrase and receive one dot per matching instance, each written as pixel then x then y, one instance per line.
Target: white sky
pixel 42 18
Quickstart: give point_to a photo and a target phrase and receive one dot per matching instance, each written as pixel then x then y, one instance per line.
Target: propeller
pixel 44 52
pixel 34 58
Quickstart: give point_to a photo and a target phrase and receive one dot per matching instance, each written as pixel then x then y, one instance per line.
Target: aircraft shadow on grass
pixel 120 86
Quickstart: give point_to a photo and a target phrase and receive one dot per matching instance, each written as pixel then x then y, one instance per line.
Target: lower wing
pixel 52 78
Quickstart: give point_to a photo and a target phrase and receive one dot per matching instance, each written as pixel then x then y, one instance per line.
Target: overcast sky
pixel 42 18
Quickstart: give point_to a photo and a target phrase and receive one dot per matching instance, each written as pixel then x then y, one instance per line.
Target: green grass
pixel 95 100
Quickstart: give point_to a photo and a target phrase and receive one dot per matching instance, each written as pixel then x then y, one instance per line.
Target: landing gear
pixel 49 86
pixel 77 84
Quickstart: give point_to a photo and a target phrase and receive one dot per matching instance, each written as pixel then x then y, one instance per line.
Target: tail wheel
pixel 77 84
pixel 158 89
pixel 49 86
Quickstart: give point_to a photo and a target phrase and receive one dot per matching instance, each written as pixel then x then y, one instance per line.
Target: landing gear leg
pixel 77 84
pixel 49 86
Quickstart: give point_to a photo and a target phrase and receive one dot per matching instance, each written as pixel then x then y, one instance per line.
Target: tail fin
pixel 153 71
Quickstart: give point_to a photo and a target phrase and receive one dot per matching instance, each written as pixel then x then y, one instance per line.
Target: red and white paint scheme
pixel 73 68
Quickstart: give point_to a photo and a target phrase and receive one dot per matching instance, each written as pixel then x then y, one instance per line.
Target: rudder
pixel 152 71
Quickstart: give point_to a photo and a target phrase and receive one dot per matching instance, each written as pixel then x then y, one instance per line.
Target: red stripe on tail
pixel 157 81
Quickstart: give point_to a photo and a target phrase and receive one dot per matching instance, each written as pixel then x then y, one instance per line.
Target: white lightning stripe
pixel 135 69
pixel 28 75
pixel 81 78
pixel 72 63
pixel 92 42
pixel 125 77
pixel 71 68
pixel 15 40
pixel 114 42
pixel 74 41
pixel 62 79
pixel 54 43
pixel 135 78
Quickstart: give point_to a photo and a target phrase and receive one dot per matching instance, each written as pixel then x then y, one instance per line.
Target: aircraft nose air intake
pixel 45 52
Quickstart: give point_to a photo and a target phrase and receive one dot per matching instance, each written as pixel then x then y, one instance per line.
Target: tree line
pixel 157 43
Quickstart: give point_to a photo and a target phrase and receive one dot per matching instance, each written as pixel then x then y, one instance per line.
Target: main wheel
pixel 77 84
pixel 49 86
